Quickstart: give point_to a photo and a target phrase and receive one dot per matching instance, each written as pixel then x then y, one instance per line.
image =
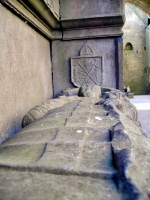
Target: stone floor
pixel 142 103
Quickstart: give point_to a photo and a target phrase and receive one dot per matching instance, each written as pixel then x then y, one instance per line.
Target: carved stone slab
pixel 87 68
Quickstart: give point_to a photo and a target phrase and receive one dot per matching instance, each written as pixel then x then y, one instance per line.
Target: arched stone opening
pixel 128 46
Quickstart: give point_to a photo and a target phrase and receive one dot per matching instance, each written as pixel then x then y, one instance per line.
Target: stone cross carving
pixel 87 68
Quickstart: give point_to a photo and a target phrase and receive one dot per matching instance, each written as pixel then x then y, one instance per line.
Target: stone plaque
pixel 87 68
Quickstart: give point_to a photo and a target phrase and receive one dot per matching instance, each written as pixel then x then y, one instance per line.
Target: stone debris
pixel 86 149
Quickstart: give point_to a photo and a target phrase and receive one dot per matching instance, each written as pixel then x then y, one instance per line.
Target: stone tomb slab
pixel 78 156
pixel 16 185
pixel 20 154
pixel 31 137
pixel 93 134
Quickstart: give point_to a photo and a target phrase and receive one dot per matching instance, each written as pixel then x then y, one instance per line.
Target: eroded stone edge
pixel 121 143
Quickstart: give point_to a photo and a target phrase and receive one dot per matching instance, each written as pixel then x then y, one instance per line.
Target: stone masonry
pixel 89 148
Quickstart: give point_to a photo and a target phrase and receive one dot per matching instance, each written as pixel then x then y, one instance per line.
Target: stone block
pixel 99 143
pixel 90 91
pixel 62 66
pixel 84 9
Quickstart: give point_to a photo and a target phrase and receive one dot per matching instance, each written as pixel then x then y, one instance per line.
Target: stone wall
pixel 134 72
pixel 27 28
pixel 25 71
pixel 135 59
pixel 148 46
pixel 89 25
pixel 70 49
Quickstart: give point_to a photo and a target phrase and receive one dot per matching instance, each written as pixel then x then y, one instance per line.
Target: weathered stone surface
pixel 62 66
pixel 32 185
pixel 81 13
pixel 25 78
pixel 87 69
pixel 87 149
pixel 90 91
pixel 70 92
pixel 39 111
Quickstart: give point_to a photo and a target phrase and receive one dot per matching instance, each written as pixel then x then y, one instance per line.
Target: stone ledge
pixel 96 32
pixel 43 23
pixel 97 21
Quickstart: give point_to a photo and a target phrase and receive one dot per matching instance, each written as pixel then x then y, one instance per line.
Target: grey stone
pixel 90 91
pixel 87 140
pixel 102 47
pixel 69 92
pixel 87 69
pixel 94 14
pixel 39 111
pixel 20 185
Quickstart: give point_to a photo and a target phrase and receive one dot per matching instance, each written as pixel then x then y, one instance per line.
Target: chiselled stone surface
pixel 102 46
pixel 87 149
pixel 87 68
pixel 39 111
pixel 50 186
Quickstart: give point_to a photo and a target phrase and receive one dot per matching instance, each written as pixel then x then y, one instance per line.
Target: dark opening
pixel 128 46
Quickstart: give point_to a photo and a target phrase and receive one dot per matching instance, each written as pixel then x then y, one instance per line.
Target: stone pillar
pixel 148 46
pixel 119 63
pixel 95 25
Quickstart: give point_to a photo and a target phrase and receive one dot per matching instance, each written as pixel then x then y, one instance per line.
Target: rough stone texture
pixel 39 111
pixel 86 24
pixel 135 60
pixel 98 15
pixel 90 91
pixel 87 69
pixel 86 149
pixel 69 49
pixel 25 71
pixel 45 186
pixel 69 92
